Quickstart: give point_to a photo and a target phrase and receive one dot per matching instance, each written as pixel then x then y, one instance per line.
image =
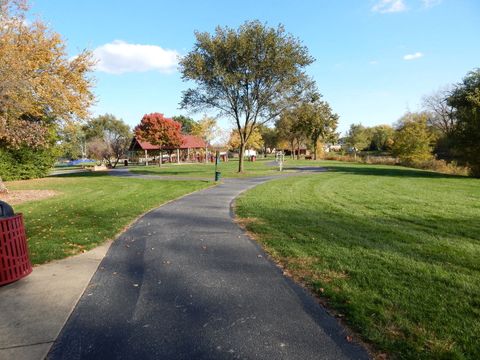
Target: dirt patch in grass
pixel 15 197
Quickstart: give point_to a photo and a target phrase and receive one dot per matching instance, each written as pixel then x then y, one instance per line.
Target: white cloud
pixel 120 57
pixel 417 55
pixel 430 3
pixel 373 62
pixel 389 6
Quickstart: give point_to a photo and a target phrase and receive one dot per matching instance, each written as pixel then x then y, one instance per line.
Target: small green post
pixel 217 160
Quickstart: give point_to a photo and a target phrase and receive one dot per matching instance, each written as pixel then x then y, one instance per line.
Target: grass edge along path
pixel 90 208
pixel 228 169
pixel 394 251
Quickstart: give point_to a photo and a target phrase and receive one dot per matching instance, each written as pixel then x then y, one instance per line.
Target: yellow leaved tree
pixel 254 142
pixel 41 86
pixel 207 129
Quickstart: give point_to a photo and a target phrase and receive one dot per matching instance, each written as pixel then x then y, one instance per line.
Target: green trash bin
pixel 217 175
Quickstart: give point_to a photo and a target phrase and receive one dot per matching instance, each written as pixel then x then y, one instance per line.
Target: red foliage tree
pixel 160 131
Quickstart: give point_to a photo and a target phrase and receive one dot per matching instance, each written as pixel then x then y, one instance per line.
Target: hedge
pixel 25 163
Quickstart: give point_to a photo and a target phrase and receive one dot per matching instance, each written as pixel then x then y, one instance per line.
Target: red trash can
pixel 14 260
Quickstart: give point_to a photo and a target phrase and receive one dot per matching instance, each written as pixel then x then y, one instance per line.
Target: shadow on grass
pixel 404 262
pixel 396 172
pixel 184 306
pixel 80 174
pixel 166 172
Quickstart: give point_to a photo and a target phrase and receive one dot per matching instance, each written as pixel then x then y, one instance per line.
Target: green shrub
pixel 437 165
pixel 25 163
pixel 413 139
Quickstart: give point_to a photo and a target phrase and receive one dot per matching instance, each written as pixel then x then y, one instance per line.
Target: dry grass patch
pixel 15 197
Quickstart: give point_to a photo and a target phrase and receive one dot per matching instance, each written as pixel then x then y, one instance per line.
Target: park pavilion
pixel 193 149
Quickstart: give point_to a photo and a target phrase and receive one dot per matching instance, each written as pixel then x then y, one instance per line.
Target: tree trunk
pixel 160 160
pixel 315 147
pixel 3 188
pixel 240 159
pixel 292 155
pixel 298 150
pixel 206 154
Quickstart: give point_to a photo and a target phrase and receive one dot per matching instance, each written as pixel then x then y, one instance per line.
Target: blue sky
pixel 375 59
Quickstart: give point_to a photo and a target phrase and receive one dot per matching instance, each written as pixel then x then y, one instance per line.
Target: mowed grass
pixel 394 251
pixel 228 169
pixel 89 209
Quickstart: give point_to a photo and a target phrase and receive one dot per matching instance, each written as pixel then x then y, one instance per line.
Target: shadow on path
pixel 185 282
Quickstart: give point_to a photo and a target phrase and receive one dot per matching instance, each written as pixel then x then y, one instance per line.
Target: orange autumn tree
pixel 158 130
pixel 41 86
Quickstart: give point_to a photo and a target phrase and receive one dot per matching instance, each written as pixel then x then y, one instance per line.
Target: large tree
pixel 465 99
pixel 413 139
pixel 382 137
pixel 72 141
pixel 160 131
pixel 291 130
pixel 187 123
pixel 250 74
pixel 317 120
pixel 254 142
pixel 269 138
pixel 41 85
pixel 108 138
pixel 358 137
pixel 441 113
pixel 442 121
pixel 207 129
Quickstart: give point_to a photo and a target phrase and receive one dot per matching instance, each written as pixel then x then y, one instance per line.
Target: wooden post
pixel 146 157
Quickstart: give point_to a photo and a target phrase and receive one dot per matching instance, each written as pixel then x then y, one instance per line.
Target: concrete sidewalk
pixel 185 282
pixel 34 309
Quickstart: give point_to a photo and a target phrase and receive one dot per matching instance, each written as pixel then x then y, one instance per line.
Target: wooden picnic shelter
pixel 192 149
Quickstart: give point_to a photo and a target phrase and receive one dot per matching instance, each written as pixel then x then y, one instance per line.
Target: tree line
pixel 41 89
pixel 254 75
pixel 107 138
pixel 447 128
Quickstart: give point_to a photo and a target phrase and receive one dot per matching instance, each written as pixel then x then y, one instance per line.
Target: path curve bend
pixel 185 282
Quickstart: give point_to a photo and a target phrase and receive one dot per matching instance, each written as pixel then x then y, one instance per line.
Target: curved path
pixel 185 282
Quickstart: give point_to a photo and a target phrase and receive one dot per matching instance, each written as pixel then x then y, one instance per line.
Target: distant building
pixel 191 150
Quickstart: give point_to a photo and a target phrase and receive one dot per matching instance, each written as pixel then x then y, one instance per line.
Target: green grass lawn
pixel 228 169
pixel 89 209
pixel 396 251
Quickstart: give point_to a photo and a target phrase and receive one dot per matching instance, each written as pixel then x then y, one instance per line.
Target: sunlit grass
pixel 228 169
pixel 394 250
pixel 89 209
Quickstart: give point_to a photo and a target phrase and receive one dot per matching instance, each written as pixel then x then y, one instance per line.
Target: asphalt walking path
pixel 185 282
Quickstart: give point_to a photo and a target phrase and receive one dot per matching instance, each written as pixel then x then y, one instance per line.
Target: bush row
pixel 440 166
pixel 25 163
